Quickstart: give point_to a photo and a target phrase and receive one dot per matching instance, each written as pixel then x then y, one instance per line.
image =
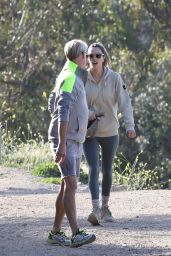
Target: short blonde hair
pixel 74 48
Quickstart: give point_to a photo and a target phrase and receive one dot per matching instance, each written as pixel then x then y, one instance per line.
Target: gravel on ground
pixel 142 220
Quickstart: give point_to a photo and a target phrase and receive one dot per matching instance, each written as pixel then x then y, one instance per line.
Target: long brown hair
pixel 107 60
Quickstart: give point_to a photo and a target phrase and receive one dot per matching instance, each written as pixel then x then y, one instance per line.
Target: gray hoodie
pixel 109 96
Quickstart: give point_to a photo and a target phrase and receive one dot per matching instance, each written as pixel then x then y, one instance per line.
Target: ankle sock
pixel 95 204
pixel 105 201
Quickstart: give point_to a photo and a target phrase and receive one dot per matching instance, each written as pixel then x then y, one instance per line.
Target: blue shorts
pixel 71 164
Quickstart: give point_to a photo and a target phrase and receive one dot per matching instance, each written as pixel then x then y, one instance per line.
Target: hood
pixel 106 73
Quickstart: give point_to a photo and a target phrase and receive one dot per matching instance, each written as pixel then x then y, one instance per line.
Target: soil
pixel 142 220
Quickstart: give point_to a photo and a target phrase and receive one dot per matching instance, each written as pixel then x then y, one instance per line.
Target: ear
pixel 83 55
pixel 104 60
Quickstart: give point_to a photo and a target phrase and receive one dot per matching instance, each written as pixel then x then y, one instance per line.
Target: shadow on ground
pixel 27 237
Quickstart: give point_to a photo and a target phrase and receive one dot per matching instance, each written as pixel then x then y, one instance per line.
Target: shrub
pixel 16 153
pixel 49 169
pixel 50 180
pixel 83 177
pixel 52 174
pixel 136 175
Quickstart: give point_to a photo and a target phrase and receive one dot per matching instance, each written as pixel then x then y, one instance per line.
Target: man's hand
pixel 61 149
pixel 131 134
pixel 60 153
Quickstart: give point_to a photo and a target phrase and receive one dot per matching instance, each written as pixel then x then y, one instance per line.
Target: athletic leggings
pixel 91 150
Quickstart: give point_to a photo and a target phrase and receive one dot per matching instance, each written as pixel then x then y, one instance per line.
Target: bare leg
pixel 69 202
pixel 60 211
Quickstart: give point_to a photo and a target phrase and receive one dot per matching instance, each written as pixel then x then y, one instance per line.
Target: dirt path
pixel 142 226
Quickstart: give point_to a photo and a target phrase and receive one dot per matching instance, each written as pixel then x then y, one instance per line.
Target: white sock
pixel 95 204
pixel 105 201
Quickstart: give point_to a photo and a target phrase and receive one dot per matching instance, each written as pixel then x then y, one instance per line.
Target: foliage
pixel 51 173
pixel 54 180
pixel 49 169
pixel 137 35
pixel 35 155
pixel 83 177
pixel 27 154
pixel 136 175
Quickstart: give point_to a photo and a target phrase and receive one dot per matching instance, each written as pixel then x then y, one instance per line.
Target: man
pixel 66 134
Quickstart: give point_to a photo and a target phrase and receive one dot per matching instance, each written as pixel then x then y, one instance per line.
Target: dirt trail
pixel 142 226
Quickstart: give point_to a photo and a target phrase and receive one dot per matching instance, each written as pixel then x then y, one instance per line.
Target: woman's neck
pixel 97 74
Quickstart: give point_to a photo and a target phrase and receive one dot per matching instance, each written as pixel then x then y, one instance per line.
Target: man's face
pixel 84 60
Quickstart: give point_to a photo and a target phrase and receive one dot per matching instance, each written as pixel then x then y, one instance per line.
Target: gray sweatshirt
pixel 67 103
pixel 109 96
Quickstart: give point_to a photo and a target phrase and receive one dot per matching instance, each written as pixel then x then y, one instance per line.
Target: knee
pixel 94 171
pixel 62 186
pixel 71 183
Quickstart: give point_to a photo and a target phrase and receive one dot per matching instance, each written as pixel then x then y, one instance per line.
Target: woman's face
pixel 95 58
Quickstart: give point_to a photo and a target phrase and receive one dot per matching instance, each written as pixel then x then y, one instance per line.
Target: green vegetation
pixel 27 154
pixel 83 176
pixel 136 175
pixel 46 170
pixel 35 155
pixel 137 36
pixel 51 174
pixel 51 180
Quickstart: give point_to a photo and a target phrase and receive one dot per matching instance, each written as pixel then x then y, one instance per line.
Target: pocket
pixel 78 125
pixel 74 125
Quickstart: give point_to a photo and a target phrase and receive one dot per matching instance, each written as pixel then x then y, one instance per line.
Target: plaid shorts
pixel 71 164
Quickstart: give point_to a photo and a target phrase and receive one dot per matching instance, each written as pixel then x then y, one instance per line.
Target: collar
pixel 70 65
pixel 104 76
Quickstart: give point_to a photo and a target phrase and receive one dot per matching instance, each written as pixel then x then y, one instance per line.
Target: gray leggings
pixel 91 150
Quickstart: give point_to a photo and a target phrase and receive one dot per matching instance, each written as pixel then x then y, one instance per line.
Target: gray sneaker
pixel 106 215
pixel 82 238
pixel 95 217
pixel 59 238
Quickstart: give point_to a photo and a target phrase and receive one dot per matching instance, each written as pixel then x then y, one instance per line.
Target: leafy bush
pixel 136 175
pixel 54 180
pixel 49 169
pixel 83 177
pixel 36 156
pixel 28 154
pixel 52 173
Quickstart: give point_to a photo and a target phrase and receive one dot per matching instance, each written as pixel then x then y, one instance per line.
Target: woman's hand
pixel 131 134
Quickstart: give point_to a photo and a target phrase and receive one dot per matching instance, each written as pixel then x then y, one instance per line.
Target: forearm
pixel 62 136
pixel 62 132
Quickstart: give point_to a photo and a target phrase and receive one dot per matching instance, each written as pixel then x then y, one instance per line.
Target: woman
pixel 106 93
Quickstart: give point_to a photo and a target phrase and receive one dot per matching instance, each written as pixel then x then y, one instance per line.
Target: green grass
pixel 48 169
pixel 35 155
pixel 51 180
pixel 27 155
pixel 136 175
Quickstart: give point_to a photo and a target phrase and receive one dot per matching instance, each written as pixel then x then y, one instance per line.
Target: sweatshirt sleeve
pixel 51 102
pixel 124 104
pixel 67 97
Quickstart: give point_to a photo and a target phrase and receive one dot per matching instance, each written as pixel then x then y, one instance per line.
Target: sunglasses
pixel 97 55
